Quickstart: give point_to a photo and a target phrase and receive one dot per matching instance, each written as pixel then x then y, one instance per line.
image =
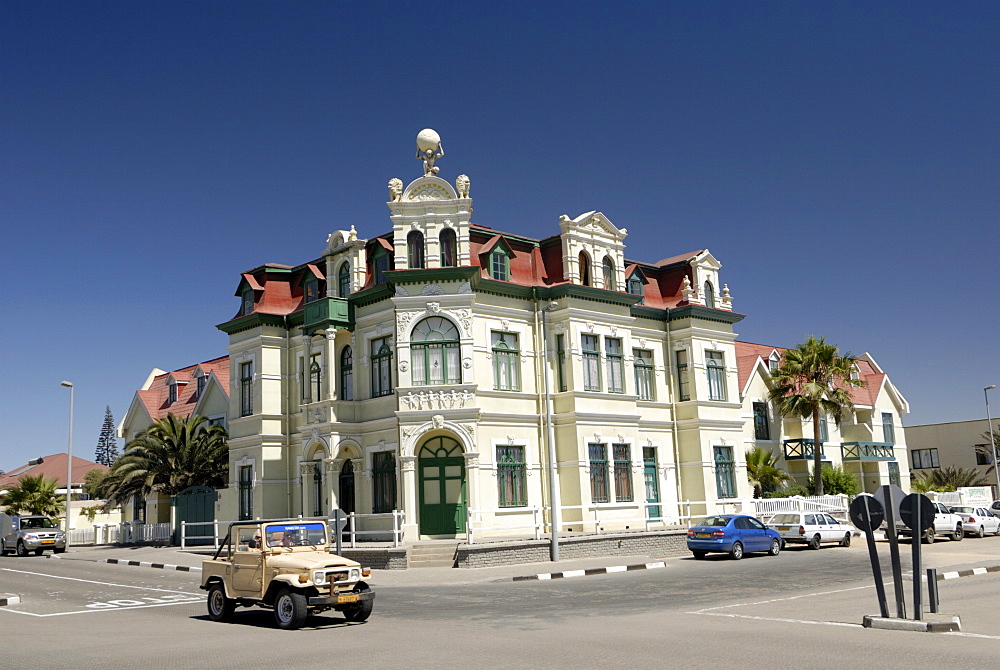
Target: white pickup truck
pixel 945 523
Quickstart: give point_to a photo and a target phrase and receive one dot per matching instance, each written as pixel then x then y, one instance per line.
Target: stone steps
pixel 433 555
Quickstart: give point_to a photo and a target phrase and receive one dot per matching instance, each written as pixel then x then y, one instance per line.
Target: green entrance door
pixel 652 482
pixel 442 487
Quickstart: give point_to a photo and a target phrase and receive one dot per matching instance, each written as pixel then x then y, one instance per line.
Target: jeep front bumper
pixel 341 599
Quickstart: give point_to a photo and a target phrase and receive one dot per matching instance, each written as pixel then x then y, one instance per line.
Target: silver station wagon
pixel 811 528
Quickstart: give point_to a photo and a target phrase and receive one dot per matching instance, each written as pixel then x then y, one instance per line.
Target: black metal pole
pixel 932 589
pixel 883 605
pixel 897 572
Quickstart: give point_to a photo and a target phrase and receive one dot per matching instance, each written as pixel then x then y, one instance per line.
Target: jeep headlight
pixel 355 575
pixel 319 577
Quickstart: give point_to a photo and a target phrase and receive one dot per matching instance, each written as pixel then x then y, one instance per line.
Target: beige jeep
pixel 284 565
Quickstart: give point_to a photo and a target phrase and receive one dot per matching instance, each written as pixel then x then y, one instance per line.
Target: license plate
pixel 703 535
pixel 48 541
pixel 347 599
pixel 782 527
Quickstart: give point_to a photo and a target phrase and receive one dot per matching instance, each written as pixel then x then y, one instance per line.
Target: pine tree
pixel 107 447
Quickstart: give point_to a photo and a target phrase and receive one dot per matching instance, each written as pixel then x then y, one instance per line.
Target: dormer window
pixel 202 381
pixel 855 373
pixel 774 361
pixel 634 286
pixel 415 249
pixel 609 275
pixel 709 295
pixel 311 290
pixel 171 393
pixel 344 280
pixel 500 265
pixel 449 247
pixel 380 265
pixel 246 306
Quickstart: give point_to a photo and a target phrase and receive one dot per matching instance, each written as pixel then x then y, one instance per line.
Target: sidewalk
pixel 172 558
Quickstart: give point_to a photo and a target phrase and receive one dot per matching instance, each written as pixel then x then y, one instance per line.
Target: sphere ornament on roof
pixel 429 150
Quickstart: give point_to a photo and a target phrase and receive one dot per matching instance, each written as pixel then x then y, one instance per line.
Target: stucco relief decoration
pixel 408 463
pixel 379 329
pixel 466 287
pixel 352 234
pixel 433 307
pixel 404 366
pixel 590 327
pixel 431 289
pixel 306 468
pixel 614 331
pixel 319 415
pixel 462 185
pixel 436 399
pixel 642 343
pixel 401 292
pixel 403 321
pixel 471 460
pixel 510 440
pixel 428 192
pixel 597 437
pixel 395 189
pixel 465 318
pixel 429 149
pixel 505 325
pixel 331 333
pixel 437 421
pixel 333 466
pixel 621 438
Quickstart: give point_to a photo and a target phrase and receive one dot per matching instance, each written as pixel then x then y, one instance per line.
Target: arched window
pixel 347 374
pixel 415 249
pixel 449 248
pixel 709 295
pixel 584 268
pixel 435 352
pixel 609 274
pixel 344 280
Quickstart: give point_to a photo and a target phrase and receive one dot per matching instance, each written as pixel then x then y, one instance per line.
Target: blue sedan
pixel 733 534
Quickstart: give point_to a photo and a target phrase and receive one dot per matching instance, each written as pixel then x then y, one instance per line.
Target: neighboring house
pixel 954 444
pixel 868 443
pixel 201 389
pixel 410 371
pixel 53 466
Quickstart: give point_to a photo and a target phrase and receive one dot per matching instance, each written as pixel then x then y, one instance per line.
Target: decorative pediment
pixel 592 224
pixel 429 188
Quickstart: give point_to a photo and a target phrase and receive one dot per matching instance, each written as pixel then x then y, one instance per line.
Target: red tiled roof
pixel 52 467
pixel 155 397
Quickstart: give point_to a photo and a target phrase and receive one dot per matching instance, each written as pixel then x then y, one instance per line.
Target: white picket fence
pixel 387 527
pixel 127 532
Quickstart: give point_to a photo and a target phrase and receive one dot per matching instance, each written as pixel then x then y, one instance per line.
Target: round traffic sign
pixel 907 509
pixel 867 513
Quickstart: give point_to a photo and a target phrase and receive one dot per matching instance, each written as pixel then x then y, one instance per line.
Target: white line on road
pixel 91 581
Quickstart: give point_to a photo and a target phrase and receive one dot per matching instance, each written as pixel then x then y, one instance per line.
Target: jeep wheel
pixel 928 536
pixel 22 551
pixel 362 610
pixel 220 608
pixel 958 534
pixel 290 609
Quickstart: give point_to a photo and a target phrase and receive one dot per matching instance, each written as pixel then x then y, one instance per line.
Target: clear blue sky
pixel 842 160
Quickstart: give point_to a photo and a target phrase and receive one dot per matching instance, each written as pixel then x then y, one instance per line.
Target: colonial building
pixel 958 444
pixel 201 389
pixel 421 369
pixel 869 442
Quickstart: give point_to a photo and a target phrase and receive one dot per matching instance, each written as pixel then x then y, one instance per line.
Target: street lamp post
pixel 69 458
pixel 555 515
pixel 989 428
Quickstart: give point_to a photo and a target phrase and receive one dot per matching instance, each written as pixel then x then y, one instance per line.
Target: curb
pixel 590 571
pixel 940 624
pixel 143 564
pixel 955 574
pixel 9 600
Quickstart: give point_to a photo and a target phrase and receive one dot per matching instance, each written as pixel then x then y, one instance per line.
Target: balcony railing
pixel 867 451
pixel 800 449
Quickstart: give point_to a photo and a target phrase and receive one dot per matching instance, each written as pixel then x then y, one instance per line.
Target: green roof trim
pixel 704 313
pixel 250 321
pixel 422 275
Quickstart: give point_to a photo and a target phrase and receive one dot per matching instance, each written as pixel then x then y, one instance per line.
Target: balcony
pixel 801 449
pixel 867 451
pixel 325 313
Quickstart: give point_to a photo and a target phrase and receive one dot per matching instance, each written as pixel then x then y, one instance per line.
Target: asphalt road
pixel 801 609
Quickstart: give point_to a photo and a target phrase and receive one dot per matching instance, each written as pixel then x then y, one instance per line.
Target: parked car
pixel 733 534
pixel 995 508
pixel 945 523
pixel 812 529
pixel 977 520
pixel 285 565
pixel 23 534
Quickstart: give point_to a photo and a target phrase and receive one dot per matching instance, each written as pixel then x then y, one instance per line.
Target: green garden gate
pixel 195 504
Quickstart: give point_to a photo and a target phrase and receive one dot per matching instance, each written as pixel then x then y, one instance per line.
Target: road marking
pixel 709 611
pixel 178 597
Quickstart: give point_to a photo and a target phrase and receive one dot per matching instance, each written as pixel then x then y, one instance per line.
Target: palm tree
pixel 34 494
pixel 168 457
pixel 810 380
pixel 762 472
pixel 950 478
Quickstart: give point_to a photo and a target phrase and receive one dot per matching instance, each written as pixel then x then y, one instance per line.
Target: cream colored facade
pixel 958 444
pixel 647 405
pixel 870 442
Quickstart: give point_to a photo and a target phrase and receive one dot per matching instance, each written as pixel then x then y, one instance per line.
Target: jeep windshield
pixel 295 534
pixel 37 523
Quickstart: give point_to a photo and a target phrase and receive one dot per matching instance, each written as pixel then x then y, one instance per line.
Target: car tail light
pixel 971 520
pixel 690 532
pixel 718 533
pixel 802 530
